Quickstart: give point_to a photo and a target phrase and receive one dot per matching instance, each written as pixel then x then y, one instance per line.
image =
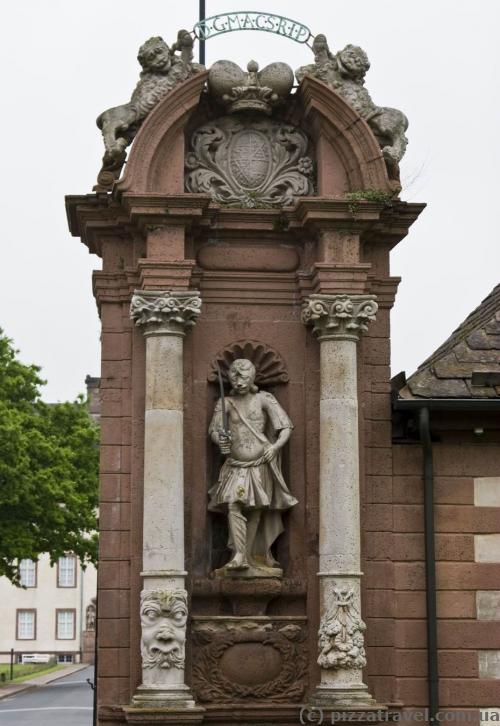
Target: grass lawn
pixel 23 672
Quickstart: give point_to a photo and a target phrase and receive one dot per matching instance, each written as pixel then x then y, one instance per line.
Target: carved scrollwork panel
pixel 247 161
pixel 249 661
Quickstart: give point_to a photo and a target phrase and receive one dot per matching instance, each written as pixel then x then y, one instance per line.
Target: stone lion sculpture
pixel 345 72
pixel 162 69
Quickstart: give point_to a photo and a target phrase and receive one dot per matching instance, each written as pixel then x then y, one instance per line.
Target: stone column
pixel 164 318
pixel 337 321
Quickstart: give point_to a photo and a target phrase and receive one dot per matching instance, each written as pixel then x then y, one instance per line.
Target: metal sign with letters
pixel 252 20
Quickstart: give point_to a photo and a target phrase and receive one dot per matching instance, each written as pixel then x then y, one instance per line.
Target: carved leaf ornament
pixel 213 685
pixel 249 162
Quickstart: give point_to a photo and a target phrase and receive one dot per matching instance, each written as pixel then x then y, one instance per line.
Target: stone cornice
pixel 341 317
pixel 165 312
pixel 94 216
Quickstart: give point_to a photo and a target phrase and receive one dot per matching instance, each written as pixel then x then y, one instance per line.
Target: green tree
pixel 48 470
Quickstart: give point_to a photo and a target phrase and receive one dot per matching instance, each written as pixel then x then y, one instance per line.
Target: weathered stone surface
pixel 341 634
pixel 345 73
pixel 255 91
pixel 487 547
pixel 245 161
pixel 250 488
pixel 339 316
pixel 466 365
pixel 488 604
pixel 162 69
pixel 489 663
pixel 237 659
pixel 487 491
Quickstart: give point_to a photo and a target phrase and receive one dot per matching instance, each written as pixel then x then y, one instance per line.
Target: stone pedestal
pixel 337 321
pixel 164 317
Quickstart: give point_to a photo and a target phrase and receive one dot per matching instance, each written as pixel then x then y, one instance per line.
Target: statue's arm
pixel 216 423
pixel 280 421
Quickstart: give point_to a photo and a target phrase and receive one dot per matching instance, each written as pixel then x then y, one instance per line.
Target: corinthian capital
pixel 165 312
pixel 339 316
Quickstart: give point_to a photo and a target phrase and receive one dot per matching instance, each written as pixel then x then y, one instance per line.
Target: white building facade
pixel 52 613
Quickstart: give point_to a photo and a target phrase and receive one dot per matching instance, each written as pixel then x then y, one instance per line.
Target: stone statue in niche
pixel 251 428
pixel 163 620
pixel 90 615
pixel 345 72
pixel 163 68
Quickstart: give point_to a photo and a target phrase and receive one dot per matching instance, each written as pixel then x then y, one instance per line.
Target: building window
pixel 65 624
pixel 26 625
pixel 27 573
pixel 65 658
pixel 66 571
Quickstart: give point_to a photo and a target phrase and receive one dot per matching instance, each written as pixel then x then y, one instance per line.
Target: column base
pixel 329 696
pixel 172 715
pixel 176 697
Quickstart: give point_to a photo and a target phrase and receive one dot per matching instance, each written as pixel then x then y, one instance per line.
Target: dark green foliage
pixel 48 470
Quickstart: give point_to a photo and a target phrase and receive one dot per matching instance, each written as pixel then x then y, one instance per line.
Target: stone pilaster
pixel 164 318
pixel 337 321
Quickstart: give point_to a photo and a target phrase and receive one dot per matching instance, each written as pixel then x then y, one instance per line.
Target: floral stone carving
pixel 241 661
pixel 341 633
pixel 163 620
pixel 245 161
pixel 339 316
pixel 167 312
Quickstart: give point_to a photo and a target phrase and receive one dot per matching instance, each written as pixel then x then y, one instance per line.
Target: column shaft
pixel 163 607
pixel 337 320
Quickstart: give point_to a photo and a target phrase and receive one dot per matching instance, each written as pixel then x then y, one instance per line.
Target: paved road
pixel 66 702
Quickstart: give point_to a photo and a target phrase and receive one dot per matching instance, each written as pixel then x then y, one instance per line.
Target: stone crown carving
pixel 255 91
pixel 339 316
pixel 165 313
pixel 246 161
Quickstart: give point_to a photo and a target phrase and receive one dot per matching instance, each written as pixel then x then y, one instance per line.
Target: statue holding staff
pixel 251 428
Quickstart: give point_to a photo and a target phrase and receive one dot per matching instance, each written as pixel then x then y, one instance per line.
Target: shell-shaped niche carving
pixel 269 365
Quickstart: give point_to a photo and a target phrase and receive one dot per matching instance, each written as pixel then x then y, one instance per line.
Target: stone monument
pixel 245 286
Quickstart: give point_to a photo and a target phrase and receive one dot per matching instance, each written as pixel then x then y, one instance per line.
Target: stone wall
pixel 468 580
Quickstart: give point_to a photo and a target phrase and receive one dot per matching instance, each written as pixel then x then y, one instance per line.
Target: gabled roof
pixel 467 365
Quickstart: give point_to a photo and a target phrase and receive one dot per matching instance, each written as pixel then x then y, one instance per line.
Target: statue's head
pixel 242 376
pixel 353 62
pixel 320 47
pixel 154 56
pixel 163 619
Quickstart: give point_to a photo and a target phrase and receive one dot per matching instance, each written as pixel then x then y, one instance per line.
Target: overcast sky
pixel 64 61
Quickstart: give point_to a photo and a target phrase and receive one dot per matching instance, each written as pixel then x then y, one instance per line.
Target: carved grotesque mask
pixel 163 618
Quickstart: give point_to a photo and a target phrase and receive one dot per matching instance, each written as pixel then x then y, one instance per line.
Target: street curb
pixel 15 688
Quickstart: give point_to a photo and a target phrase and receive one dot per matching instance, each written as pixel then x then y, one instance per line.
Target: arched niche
pixel 348 156
pixel 156 159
